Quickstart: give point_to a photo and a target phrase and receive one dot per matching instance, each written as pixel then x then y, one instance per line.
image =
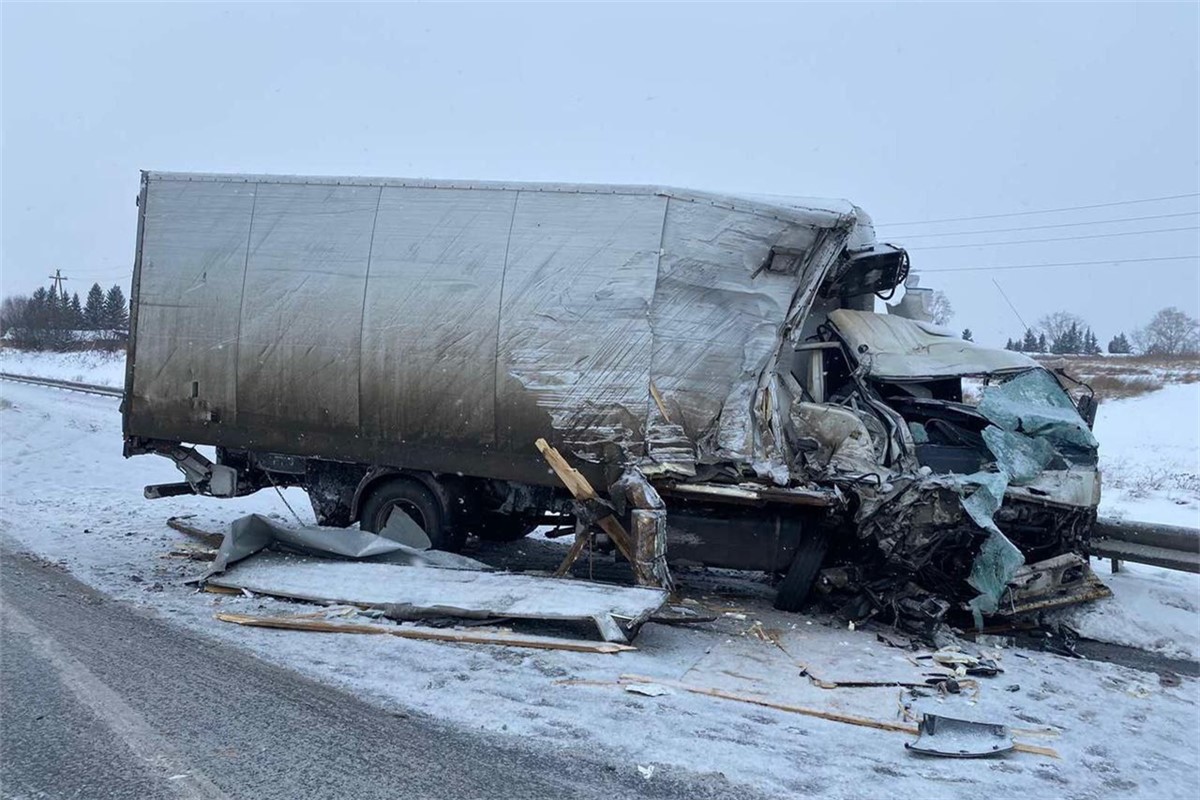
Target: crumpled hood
pixel 895 348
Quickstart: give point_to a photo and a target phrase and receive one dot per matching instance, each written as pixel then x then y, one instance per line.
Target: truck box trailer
pixel 390 343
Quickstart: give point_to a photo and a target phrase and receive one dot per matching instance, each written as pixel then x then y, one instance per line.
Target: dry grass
pixel 1117 377
pixel 1142 481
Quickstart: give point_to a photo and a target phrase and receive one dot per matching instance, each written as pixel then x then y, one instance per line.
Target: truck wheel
pixel 810 553
pixel 419 503
pixel 496 527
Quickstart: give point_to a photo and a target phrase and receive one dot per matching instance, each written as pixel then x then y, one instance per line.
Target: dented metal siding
pixel 431 316
pixel 717 318
pixel 446 328
pixel 575 336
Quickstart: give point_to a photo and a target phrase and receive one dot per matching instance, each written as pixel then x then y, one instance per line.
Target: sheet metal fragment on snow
pixel 250 534
pixel 447 592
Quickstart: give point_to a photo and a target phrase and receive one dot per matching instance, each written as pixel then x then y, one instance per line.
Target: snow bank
pixel 1150 456
pixel 90 366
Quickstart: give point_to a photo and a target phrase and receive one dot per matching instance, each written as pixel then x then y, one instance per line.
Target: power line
pixel 1112 262
pixel 1058 238
pixel 1044 227
pixel 1046 210
pixel 1004 294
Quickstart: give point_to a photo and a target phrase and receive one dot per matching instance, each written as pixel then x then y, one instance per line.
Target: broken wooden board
pixel 831 716
pixel 303 623
pixel 617 611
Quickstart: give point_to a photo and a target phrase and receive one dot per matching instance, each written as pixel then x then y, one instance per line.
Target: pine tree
pixel 966 335
pixel 1042 346
pixel 93 311
pixel 1119 344
pixel 76 312
pixel 35 323
pixel 116 315
pixel 1069 341
pixel 58 333
pixel 53 307
pixel 1008 344
pixel 1030 344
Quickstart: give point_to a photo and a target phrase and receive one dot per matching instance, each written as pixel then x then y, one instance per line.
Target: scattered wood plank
pixel 208 587
pixel 658 401
pixel 582 490
pixel 832 716
pixel 192 555
pixel 427 634
pixel 210 539
pixel 581 540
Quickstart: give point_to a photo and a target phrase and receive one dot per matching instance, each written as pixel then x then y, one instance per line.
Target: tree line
pixel 1170 332
pixel 50 319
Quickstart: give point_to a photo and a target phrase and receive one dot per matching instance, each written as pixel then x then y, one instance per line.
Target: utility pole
pixel 58 278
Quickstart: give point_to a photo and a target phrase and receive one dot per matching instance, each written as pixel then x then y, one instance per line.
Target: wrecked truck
pixel 390 344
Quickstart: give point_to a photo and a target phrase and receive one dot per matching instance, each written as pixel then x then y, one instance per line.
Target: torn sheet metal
pixel 1059 581
pixel 960 738
pixel 895 348
pixel 408 592
pixel 253 533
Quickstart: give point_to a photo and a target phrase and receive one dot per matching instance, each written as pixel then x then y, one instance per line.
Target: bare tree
pixel 940 309
pixel 1057 326
pixel 1170 333
pixel 12 311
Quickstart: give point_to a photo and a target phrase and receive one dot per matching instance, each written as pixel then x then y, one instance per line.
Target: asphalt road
pixel 99 699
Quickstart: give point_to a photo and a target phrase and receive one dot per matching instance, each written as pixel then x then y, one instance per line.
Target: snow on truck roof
pixel 820 211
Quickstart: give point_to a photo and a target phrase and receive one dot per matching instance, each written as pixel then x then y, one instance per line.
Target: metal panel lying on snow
pixel 618 611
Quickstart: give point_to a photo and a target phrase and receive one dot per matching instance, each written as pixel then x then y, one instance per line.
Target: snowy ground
pixel 68 495
pixel 101 368
pixel 1150 456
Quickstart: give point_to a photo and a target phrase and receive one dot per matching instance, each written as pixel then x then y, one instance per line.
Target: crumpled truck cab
pixel 947 449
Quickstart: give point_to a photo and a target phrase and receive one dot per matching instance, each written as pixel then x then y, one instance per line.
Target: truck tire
pixel 496 527
pixel 810 554
pixel 418 502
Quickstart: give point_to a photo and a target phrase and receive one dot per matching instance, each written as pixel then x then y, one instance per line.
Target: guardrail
pixel 70 386
pixel 1169 546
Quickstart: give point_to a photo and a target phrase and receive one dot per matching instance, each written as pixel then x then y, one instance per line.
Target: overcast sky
pixel 914 112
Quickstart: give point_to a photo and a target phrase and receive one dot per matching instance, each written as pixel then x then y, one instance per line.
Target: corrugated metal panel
pixel 431 316
pixel 298 345
pixel 575 339
pixel 193 256
pixel 822 211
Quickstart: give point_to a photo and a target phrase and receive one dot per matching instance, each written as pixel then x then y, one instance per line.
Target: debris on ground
pixel 960 738
pixel 254 533
pixel 417 592
pixel 947 725
pixel 307 623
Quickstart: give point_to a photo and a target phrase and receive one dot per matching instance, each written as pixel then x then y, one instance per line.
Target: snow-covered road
pixel 68 495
